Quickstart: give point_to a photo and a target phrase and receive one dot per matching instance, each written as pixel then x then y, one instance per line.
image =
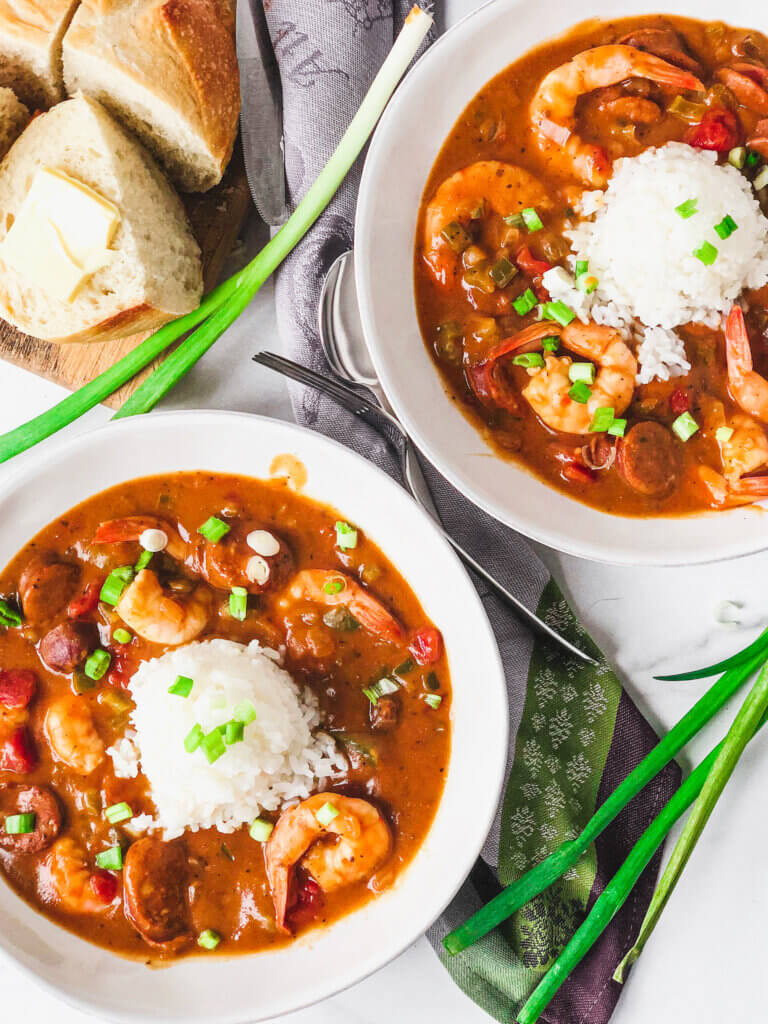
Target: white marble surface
pixel 705 962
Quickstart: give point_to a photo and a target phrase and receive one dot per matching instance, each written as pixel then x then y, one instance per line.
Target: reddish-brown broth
pixel 496 126
pixel 230 891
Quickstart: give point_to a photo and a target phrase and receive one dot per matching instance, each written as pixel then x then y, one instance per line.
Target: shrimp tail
pixel 754 487
pixel 737 347
pixel 117 531
pixel 281 885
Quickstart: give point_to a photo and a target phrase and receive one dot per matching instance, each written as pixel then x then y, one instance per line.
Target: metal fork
pixel 393 433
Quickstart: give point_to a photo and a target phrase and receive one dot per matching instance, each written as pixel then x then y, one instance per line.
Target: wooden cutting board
pixel 216 218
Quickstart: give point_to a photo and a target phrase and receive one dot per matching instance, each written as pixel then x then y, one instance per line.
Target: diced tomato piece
pixel 104 885
pixel 528 264
pixel 85 603
pixel 426 647
pixel 17 687
pixel 577 474
pixel 679 402
pixel 308 903
pixel 17 753
pixel 719 130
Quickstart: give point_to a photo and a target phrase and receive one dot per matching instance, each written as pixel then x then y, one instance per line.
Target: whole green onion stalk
pixel 219 309
pixel 540 877
pixel 705 782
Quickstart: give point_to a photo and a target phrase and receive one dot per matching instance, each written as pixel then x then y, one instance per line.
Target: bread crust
pixel 30 48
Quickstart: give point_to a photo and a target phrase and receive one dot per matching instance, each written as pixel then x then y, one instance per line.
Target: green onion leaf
pixel 238 603
pixel 122 636
pixel 602 419
pixel 97 663
pixel 582 371
pixel 739 658
pixel 580 392
pixel 687 209
pixel 334 586
pixel 182 687
pixel 382 688
pixel 143 560
pixel 529 359
pixel 244 712
pixel 559 312
pixel 707 253
pixel 20 824
pixel 115 584
pixel 194 738
pixel 118 812
pixel 724 434
pixel 346 536
pixel 234 732
pixel 753 159
pixel 618 428
pixel 737 157
pixel 111 859
pixel 261 830
pixel 685 426
pixel 531 219
pixel 209 939
pixel 550 344
pixel 213 529
pixel 212 745
pixel 761 179
pixel 726 227
pixel 9 616
pixel 524 303
pixel 587 284
pixel 515 220
pixel 326 814
pixel 582 266
pixel 434 700
pixel 404 667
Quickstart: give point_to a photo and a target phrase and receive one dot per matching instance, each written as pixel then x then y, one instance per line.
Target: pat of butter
pixel 61 234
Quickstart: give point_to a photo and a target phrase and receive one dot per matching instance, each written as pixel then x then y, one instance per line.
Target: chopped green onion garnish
pixel 707 253
pixel 182 687
pixel 726 227
pixel 761 179
pixel 346 536
pixel 194 738
pixel 261 830
pixel 687 209
pixel 531 219
pixel 580 392
pixel 502 272
pixel 515 220
pixel 558 311
pixel 8 615
pixel 213 529
pixel 111 859
pixel 213 745
pixel 724 434
pixel 97 663
pixel 524 303
pixel 122 636
pixel 234 732
pixel 685 426
pixel 587 283
pixel 405 667
pixel 617 428
pixel 326 814
pixel 20 824
pixel 238 603
pixel 582 266
pixel 209 939
pixel 529 359
pixel 737 157
pixel 601 419
pixel 380 689
pixel 118 812
pixel 334 586
pixel 143 560
pixel 753 159
pixel 550 344
pixel 115 584
pixel 244 712
pixel 582 371
pixel 434 700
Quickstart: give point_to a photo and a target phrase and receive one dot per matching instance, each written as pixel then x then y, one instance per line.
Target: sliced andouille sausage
pixel 17 688
pixel 68 645
pixel 45 587
pixel 649 459
pixel 385 714
pixel 37 800
pixel 155 880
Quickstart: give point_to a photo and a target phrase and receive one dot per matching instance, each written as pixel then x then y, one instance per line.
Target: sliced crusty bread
pixel 167 70
pixel 154 273
pixel 14 117
pixel 30 48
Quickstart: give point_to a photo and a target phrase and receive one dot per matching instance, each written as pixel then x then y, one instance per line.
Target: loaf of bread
pixel 14 117
pixel 30 48
pixel 167 69
pixel 153 272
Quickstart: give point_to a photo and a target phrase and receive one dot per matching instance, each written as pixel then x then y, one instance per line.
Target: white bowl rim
pixel 497 749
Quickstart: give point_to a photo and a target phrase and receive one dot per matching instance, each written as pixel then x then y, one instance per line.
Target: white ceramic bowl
pixel 403 150
pixel 219 989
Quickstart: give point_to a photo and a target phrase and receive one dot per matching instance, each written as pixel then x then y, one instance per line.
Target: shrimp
pixel 486 185
pixel 553 108
pixel 743 451
pixel 336 588
pixel 161 618
pixel 614 386
pixel 76 887
pixel 363 841
pixel 72 735
pixel 748 388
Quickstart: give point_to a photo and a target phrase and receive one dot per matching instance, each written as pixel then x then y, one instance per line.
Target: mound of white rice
pixel 282 756
pixel 641 250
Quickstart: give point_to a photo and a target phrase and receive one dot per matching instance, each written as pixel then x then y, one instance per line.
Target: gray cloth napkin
pixel 579 733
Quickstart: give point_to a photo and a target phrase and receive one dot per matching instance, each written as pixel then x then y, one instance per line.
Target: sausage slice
pixel 45 587
pixel 649 459
pixel 37 800
pixel 155 882
pixel 66 646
